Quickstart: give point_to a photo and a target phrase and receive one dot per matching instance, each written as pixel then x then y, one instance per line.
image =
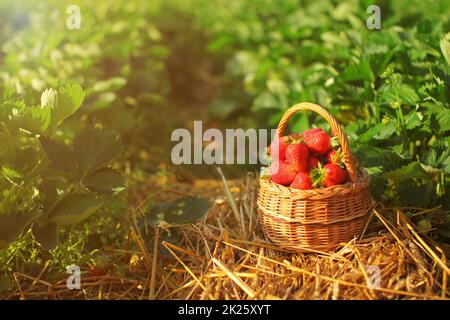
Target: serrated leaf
pixel 33 119
pixel 68 100
pixel 358 71
pixel 431 170
pixel 181 211
pixel 400 93
pixel 445 47
pixel 107 181
pixel 12 225
pixel 442 116
pixel 438 156
pixel 74 208
pixel 25 159
pixel 48 98
pixel 8 112
pixel 46 236
pixel 411 171
pixel 60 155
pixel 370 157
pixel 95 148
pixel 379 131
pixel 412 120
pixel 48 189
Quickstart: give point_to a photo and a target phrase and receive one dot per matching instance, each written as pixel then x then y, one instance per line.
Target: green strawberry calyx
pixel 335 144
pixel 317 176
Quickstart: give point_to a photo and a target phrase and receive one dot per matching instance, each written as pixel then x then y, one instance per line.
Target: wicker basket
pixel 317 219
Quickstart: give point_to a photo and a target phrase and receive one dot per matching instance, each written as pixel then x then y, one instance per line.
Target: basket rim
pixel 362 182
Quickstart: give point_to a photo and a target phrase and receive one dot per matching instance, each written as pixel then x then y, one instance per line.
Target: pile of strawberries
pixel 308 160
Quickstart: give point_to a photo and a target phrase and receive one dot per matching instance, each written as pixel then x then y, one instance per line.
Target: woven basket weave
pixel 317 219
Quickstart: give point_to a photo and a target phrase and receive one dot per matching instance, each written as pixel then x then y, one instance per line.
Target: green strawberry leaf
pixel 46 236
pixel 441 116
pixel 181 211
pixel 12 226
pixel 401 93
pixel 33 119
pixel 379 131
pixel 68 100
pixel 413 170
pixel 48 98
pixel 438 156
pixel 359 71
pixel 49 190
pixel 95 148
pixel 8 112
pixel 106 181
pixel 74 208
pixel 412 120
pixel 445 47
pixel 61 156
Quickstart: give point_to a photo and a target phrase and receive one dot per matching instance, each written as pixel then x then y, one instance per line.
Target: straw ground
pixel 227 256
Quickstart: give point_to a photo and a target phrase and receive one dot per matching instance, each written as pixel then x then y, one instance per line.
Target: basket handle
pixel 335 127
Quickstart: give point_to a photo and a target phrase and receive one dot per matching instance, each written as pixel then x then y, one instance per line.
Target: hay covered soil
pixel 227 256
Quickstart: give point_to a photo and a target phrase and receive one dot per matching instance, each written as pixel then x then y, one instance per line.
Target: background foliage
pixel 390 87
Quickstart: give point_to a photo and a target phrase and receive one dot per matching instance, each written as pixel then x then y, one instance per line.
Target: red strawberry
pixel 308 133
pixel 302 181
pixel 313 162
pixel 317 141
pixel 334 157
pixel 329 175
pixel 297 156
pixel 278 147
pixel 282 173
pixel 334 175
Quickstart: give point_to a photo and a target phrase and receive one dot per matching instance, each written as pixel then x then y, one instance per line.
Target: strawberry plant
pixel 48 181
pixel 120 63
